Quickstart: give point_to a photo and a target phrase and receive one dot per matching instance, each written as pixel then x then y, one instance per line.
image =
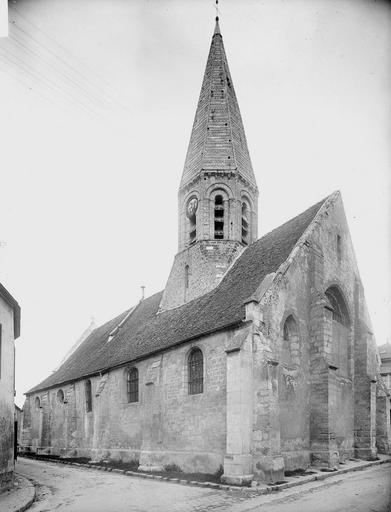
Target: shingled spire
pixel 218 141
pixel 218 194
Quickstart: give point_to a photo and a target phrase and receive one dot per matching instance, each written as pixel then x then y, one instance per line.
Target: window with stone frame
pixel 37 403
pixel 340 330
pixel 195 367
pixel 88 395
pixel 132 385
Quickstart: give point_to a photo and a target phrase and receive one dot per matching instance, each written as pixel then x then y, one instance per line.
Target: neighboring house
pixel 258 356
pixel 18 426
pixel 9 331
pixel 383 400
pixel 385 368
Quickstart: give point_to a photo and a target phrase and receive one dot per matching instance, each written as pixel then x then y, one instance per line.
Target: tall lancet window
pixel 245 223
pixel 191 213
pixel 219 218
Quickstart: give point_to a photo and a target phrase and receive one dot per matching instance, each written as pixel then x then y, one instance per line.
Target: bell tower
pixel 218 194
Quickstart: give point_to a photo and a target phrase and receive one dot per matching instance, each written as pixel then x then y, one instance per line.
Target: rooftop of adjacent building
pixel 385 351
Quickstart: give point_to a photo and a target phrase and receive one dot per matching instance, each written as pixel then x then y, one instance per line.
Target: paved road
pixel 71 489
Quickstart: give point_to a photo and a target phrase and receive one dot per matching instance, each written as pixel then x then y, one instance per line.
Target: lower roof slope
pixel 146 331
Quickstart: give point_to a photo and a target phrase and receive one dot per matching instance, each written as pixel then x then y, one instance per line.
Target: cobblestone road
pixel 72 489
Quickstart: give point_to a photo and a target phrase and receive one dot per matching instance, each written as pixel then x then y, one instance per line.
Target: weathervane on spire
pixel 217 10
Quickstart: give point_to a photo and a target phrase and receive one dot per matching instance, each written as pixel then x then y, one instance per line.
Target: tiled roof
pixel 146 331
pixel 217 141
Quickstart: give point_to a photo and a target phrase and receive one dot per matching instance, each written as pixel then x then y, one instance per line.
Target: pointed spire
pixel 218 141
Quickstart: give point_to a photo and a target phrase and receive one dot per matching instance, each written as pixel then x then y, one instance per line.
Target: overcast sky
pixel 97 102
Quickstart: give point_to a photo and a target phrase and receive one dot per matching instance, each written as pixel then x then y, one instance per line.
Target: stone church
pixel 257 358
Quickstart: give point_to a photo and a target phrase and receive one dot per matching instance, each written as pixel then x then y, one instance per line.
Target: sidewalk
pixel 19 498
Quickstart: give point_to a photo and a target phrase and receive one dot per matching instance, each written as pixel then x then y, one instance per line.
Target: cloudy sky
pixel 98 99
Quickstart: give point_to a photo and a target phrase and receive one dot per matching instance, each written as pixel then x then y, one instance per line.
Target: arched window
pixel 60 396
pixel 37 403
pixel 340 329
pixel 186 276
pixel 219 218
pixel 88 395
pixel 290 351
pixel 195 366
pixel 191 212
pixel 338 307
pixel 132 385
pixel 245 223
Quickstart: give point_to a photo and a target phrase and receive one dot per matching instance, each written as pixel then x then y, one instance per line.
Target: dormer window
pixel 219 218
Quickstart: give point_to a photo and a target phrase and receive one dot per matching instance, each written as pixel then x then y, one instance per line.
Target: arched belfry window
pixel 37 403
pixel 340 329
pixel 195 366
pixel 132 385
pixel 88 394
pixel 245 223
pixel 219 218
pixel 191 213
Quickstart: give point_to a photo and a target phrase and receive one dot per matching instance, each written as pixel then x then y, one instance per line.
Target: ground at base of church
pixel 79 489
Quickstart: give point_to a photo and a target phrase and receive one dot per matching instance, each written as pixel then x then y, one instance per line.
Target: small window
pixel 132 385
pixel 60 396
pixel 186 276
pixel 219 218
pixel 196 372
pixel 339 248
pixel 290 351
pixel 37 403
pixel 88 392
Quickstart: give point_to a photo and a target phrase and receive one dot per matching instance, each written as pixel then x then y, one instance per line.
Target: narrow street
pixel 72 489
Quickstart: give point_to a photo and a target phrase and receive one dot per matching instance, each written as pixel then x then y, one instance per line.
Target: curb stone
pixel 29 489
pixel 213 485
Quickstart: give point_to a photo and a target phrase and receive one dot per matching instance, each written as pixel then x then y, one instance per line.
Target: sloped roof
pixel 217 141
pixel 146 331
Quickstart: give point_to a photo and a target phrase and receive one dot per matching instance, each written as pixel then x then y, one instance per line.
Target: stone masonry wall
pixel 182 429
